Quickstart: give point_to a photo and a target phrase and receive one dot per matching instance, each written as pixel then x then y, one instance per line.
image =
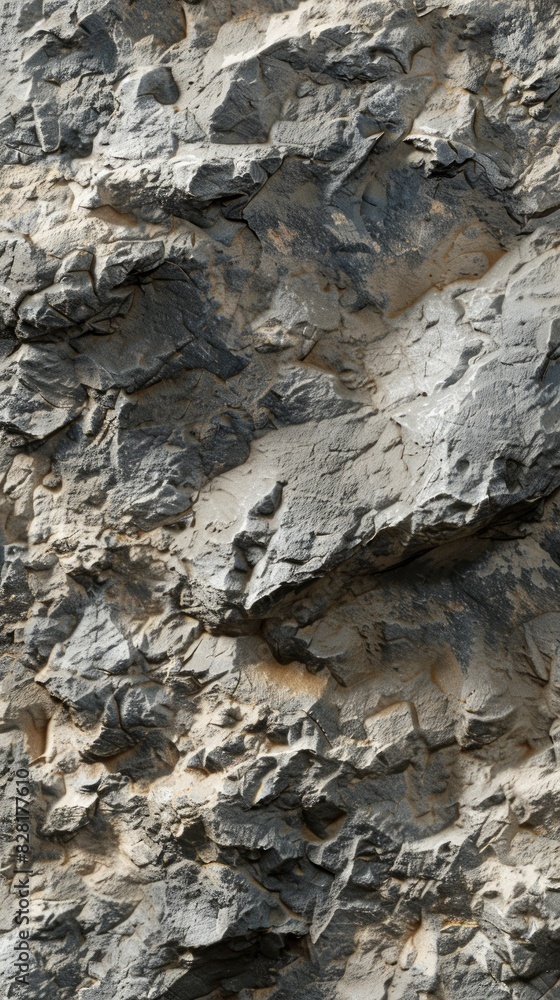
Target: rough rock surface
pixel 280 453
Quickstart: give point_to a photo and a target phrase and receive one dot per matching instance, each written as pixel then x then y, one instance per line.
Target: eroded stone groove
pixel 280 462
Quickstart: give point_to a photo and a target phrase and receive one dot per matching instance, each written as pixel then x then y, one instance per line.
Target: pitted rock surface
pixel 280 515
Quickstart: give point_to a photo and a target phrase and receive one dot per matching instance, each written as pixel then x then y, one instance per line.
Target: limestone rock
pixel 280 517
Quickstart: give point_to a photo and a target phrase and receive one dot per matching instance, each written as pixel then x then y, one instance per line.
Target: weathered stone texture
pixel 279 460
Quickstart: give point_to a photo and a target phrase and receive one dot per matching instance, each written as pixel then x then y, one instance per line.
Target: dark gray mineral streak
pixel 280 462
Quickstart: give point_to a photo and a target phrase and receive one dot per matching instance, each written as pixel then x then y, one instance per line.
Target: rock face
pixel 280 461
